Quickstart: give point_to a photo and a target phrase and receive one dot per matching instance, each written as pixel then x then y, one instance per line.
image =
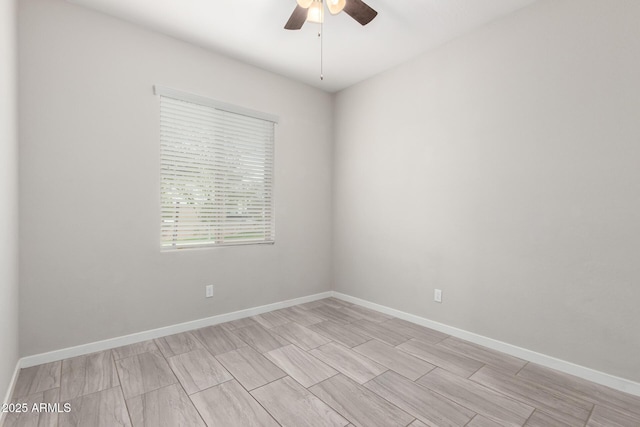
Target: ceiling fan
pixel 313 11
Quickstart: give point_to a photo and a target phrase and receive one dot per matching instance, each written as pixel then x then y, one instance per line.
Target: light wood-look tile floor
pixel 324 363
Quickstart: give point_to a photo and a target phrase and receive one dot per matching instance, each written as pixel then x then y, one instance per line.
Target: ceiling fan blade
pixel 360 11
pixel 297 18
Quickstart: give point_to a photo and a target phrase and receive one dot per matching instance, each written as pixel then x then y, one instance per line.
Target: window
pixel 216 180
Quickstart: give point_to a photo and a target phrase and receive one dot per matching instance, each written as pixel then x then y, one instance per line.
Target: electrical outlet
pixel 437 295
pixel 209 291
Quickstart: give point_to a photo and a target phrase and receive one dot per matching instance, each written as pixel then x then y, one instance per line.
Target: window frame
pixel 162 91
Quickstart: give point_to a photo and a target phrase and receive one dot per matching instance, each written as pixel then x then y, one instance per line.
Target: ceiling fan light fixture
pixel 304 3
pixel 336 6
pixel 315 13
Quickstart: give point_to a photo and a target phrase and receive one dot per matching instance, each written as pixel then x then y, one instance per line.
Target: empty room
pixel 320 213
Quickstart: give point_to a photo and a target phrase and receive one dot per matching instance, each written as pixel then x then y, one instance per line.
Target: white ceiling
pixel 253 32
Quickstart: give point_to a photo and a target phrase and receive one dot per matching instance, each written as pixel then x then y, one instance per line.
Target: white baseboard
pixel 589 374
pixel 65 353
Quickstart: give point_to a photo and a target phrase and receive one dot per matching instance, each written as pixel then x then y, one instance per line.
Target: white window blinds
pixel 216 184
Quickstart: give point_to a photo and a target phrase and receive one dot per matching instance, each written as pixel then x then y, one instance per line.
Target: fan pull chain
pixel 321 36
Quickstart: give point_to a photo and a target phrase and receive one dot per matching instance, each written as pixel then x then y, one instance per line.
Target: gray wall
pixel 90 266
pixel 501 168
pixel 9 192
pixel 504 169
